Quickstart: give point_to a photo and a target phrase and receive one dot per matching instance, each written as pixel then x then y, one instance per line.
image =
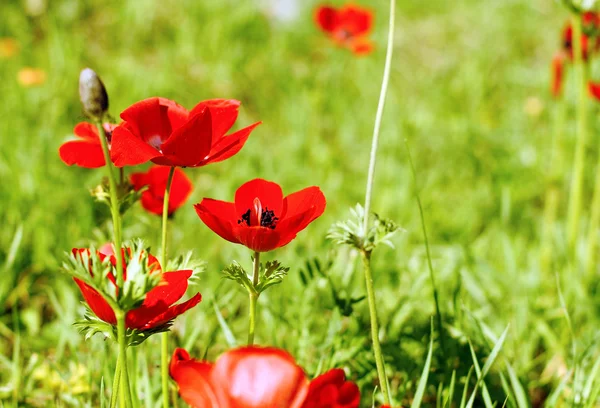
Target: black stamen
pixel 267 218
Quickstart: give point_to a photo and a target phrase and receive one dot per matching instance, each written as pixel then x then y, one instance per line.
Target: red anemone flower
pixel 331 390
pixel 158 307
pixel 253 377
pixel 347 26
pixel 156 179
pixel 86 150
pixel 594 89
pixel 261 218
pixel 558 68
pixel 591 23
pixel 161 131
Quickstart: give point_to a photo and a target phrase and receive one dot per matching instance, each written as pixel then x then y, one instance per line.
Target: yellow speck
pixel 533 106
pixel 31 77
pixel 9 47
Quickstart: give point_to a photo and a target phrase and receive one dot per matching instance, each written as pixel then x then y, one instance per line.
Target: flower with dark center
pixel 261 218
pixel 161 131
pixel 348 26
pixel 86 149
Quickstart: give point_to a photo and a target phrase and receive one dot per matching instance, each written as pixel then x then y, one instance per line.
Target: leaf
pixel 424 376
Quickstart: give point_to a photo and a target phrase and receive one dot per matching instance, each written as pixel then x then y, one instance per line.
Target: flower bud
pixel 92 94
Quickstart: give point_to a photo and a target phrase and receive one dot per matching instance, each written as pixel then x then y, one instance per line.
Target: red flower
pixel 558 68
pixel 157 308
pixel 331 390
pixel 594 89
pixel 347 26
pixel 591 23
pixel 156 179
pixel 261 218
pixel 161 131
pixel 253 377
pixel 86 151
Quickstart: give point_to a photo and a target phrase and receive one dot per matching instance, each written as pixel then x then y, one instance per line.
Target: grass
pixel 469 90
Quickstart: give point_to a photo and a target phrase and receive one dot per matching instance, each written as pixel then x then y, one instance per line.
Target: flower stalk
pixel 366 256
pixel 253 295
pixel 574 215
pixel 164 349
pixel 121 370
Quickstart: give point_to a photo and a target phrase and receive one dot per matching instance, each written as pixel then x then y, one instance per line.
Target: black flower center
pixel 264 217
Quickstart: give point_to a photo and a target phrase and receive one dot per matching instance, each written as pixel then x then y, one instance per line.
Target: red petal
pixel 332 390
pixel 154 119
pixel 219 216
pixel 82 153
pixel 174 311
pixel 86 131
pixel 269 194
pixel 156 179
pixel 326 18
pixel 361 46
pixel 356 21
pixel 594 89
pixel 557 73
pixel 253 377
pixel 303 200
pixel 96 302
pixel 224 113
pixel 139 180
pixel 229 145
pixel 181 188
pixel 190 143
pixel 193 379
pixel 259 239
pixel 129 150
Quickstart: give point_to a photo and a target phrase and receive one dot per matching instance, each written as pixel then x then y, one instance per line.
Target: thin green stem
pixel 379 114
pixel 575 198
pixel 124 381
pixel 164 349
pixel 436 300
pixel 555 172
pixel 115 387
pixel 253 296
pixel 383 381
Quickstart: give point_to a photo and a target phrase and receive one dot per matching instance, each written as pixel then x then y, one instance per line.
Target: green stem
pixel 579 160
pixel 383 381
pixel 124 382
pixel 379 115
pixel 436 298
pixel 115 387
pixel 116 218
pixel 555 172
pixel 164 348
pixel 253 295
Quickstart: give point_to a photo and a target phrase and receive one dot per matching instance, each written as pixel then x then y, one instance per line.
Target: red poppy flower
pixel 261 218
pixel 248 377
pixel 347 26
pixel 161 131
pixel 157 308
pixel 331 390
pixel 86 150
pixel 156 179
pixel 252 377
pixel 594 89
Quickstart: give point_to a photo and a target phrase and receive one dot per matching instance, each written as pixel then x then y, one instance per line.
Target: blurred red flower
pixel 156 179
pixel 161 131
pixel 157 308
pixel 253 377
pixel 331 390
pixel 86 150
pixel 347 26
pixel 261 218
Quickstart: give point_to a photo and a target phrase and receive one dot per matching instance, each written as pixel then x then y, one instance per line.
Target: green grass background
pixel 469 91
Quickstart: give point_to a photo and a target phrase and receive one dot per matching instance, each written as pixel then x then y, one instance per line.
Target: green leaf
pixel 424 376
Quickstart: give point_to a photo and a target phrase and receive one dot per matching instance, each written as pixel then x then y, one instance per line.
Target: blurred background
pixel 469 91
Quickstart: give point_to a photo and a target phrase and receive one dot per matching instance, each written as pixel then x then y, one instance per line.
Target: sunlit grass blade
pixel 463 400
pixel 424 376
pixel 227 332
pixel 516 387
pixel 450 397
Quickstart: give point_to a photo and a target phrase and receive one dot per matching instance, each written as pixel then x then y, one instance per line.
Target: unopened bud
pixel 92 94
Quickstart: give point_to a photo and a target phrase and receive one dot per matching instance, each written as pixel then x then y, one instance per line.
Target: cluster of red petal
pixel 590 44
pixel 156 180
pixel 158 307
pixel 244 220
pixel 347 26
pixel 86 149
pixel 161 131
pixel 253 377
